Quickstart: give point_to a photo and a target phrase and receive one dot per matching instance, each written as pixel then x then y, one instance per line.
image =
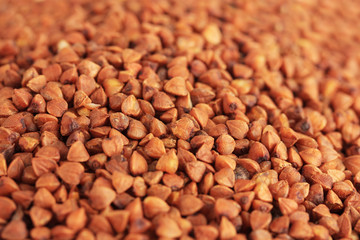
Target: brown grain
pixel 179 119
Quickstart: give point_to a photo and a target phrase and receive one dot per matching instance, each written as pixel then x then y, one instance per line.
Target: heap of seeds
pixel 179 119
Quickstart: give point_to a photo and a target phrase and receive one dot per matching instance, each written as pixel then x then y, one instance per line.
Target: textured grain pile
pixel 186 119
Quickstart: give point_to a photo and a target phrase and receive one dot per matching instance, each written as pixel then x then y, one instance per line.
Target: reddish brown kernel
pixel 78 152
pixel 70 172
pixel 182 119
pixel 57 107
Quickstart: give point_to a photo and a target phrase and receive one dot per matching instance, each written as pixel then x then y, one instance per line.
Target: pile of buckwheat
pixel 179 119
